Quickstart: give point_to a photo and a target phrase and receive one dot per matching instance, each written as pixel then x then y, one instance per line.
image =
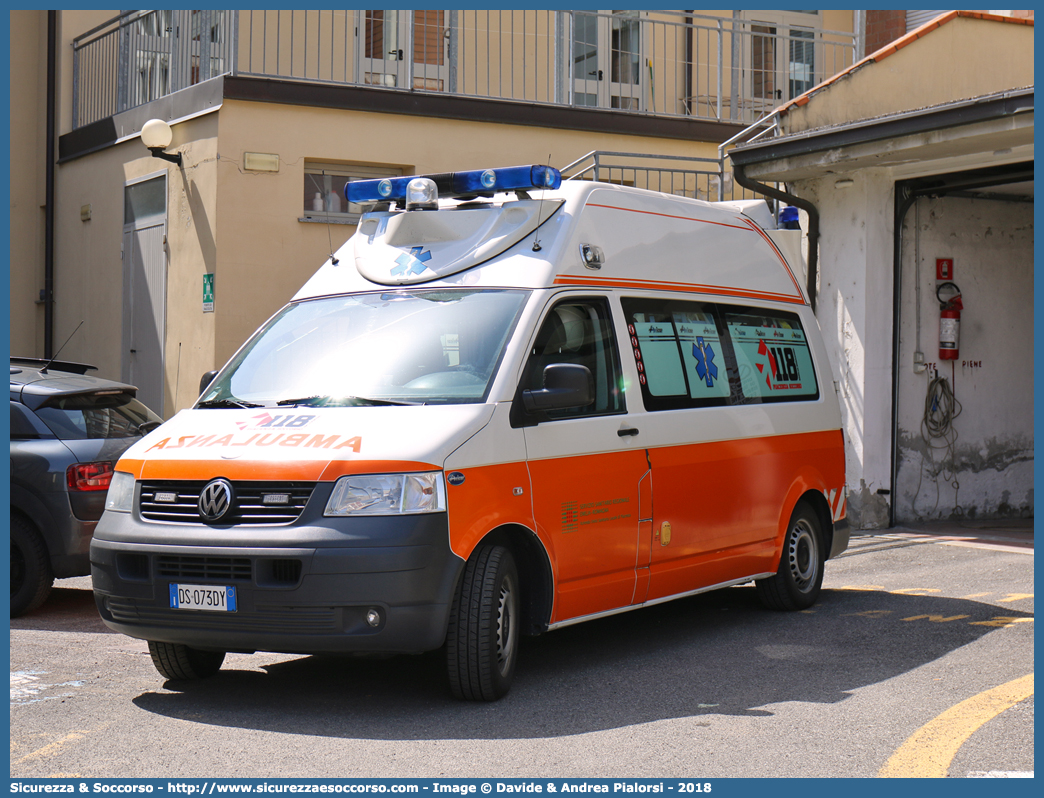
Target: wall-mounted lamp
pixel 156 135
pixel 844 182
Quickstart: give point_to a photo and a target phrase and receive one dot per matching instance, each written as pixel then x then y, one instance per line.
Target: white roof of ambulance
pixel 649 240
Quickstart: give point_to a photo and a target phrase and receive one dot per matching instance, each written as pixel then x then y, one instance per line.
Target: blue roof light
pixel 458 184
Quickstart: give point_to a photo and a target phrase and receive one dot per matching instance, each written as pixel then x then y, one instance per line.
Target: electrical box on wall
pixel 944 268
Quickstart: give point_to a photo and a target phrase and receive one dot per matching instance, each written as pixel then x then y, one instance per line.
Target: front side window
pixel 396 347
pixel 579 332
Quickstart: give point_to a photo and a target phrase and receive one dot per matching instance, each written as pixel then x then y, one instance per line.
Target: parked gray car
pixel 67 432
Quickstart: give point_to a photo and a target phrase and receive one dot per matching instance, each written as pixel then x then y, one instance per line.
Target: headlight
pixel 388 494
pixel 120 497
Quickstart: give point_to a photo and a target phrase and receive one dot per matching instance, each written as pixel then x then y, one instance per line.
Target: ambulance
pixel 508 404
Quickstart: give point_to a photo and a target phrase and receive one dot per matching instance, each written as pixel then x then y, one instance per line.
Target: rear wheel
pixel 31 575
pixel 796 584
pixel 482 639
pixel 179 662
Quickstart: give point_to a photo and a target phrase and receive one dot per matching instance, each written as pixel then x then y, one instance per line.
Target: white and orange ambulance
pixel 508 404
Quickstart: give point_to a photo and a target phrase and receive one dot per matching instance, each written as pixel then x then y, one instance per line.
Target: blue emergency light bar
pixel 458 184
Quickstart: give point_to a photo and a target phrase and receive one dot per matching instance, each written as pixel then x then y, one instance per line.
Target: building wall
pixel 902 81
pixel 89 269
pixel 28 179
pixel 855 285
pixel 883 27
pixel 988 471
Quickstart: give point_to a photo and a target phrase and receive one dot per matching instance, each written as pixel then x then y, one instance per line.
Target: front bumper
pixel 306 588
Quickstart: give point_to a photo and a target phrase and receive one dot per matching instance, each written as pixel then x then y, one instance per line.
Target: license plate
pixel 216 598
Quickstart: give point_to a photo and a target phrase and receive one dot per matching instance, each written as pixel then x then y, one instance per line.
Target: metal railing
pixel 660 63
pixel 141 56
pixel 698 178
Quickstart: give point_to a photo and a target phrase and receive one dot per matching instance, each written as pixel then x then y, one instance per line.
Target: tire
pixel 31 574
pixel 178 662
pixel 482 639
pixel 796 584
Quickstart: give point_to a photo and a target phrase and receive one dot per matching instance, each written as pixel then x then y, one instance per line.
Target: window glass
pixel 83 416
pixel 578 331
pixel 21 427
pixel 772 355
pixel 396 347
pixel 324 183
pixel 145 201
pixel 678 353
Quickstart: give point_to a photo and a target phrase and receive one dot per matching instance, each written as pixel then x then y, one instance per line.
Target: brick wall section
pixel 882 28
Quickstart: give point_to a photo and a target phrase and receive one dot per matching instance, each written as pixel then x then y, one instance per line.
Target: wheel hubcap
pixel 505 620
pixel 803 555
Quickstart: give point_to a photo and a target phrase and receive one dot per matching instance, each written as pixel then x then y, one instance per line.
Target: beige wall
pixel 968 57
pixel 28 184
pixel 89 269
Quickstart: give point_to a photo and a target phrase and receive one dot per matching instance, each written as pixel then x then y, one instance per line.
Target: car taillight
pixel 89 476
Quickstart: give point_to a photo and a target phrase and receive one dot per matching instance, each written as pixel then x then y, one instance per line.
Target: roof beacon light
pixel 481 182
pixel 422 195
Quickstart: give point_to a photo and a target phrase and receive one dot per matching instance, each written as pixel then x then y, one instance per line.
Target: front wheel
pixel 178 662
pixel 795 586
pixel 482 639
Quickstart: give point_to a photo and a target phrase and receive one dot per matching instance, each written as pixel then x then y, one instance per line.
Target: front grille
pixel 269 620
pixel 176 502
pixel 224 569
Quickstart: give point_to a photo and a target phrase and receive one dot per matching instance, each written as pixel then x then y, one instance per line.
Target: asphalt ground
pixel 916 661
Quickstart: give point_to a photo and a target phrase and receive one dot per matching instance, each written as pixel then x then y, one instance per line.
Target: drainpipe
pixel 688 61
pixel 739 174
pixel 52 55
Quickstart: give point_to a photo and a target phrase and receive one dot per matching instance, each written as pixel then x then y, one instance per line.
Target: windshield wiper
pixel 227 403
pixel 365 401
pixel 310 401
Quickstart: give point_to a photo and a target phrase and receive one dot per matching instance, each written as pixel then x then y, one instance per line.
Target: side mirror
pixel 566 385
pixel 205 381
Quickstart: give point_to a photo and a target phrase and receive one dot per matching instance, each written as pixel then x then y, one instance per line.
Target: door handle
pixel 623 433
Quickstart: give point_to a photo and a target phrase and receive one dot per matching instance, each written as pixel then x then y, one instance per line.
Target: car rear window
pixel 84 416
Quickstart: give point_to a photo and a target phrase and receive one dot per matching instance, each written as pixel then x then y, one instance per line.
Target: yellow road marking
pixel 915 591
pixel 1016 597
pixel 48 750
pixel 1001 620
pixel 936 618
pixel 928 752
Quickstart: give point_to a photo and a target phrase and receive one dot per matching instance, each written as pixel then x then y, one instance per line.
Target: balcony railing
pixel 659 63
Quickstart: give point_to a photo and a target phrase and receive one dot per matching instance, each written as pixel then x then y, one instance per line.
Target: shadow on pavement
pixel 717 653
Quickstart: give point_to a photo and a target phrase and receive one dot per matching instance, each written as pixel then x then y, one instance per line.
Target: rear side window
pixel 22 428
pixel 772 355
pixel 678 350
pixel 703 354
pixel 85 416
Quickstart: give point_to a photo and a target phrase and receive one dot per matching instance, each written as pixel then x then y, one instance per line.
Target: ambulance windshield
pixel 397 347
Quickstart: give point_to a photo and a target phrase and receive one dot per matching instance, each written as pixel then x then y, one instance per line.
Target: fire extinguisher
pixel 949 322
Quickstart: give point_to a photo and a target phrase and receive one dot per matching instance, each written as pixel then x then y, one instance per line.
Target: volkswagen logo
pixel 215 500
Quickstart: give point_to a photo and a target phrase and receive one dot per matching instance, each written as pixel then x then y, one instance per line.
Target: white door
pixel 403 49
pixel 608 60
pixel 145 289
